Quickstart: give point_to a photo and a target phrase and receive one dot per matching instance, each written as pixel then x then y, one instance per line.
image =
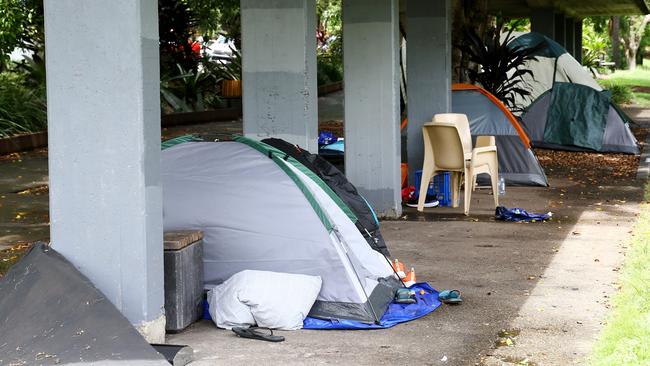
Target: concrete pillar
pixel 560 29
pixel 279 81
pixel 569 35
pixel 428 70
pixel 543 21
pixel 372 115
pixel 104 150
pixel 577 40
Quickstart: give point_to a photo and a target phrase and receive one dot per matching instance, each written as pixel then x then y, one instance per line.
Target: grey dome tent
pixel 578 118
pixel 488 116
pixel 552 64
pixel 367 221
pixel 261 209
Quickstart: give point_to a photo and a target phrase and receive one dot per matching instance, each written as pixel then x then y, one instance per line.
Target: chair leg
pixel 494 176
pixel 469 177
pixel 427 174
pixel 455 188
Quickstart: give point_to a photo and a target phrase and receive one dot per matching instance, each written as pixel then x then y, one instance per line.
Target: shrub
pixel 22 109
pixel 329 71
pixel 501 69
pixel 621 94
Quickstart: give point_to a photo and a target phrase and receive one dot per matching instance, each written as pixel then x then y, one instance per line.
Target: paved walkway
pixel 546 284
pixel 23 202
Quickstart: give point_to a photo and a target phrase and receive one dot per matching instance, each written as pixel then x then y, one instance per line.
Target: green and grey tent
pixel 552 64
pixel 579 118
pixel 567 109
pixel 261 209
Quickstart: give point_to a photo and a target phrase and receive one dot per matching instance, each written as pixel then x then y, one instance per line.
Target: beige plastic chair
pixel 448 147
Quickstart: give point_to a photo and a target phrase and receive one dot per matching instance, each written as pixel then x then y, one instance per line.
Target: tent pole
pixel 372 308
pixel 388 260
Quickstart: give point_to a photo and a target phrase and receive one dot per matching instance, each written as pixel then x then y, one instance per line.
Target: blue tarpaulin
pixel 519 215
pixel 326 138
pixel 395 314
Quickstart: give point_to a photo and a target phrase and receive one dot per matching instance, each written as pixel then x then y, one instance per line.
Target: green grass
pixel 638 79
pixel 626 337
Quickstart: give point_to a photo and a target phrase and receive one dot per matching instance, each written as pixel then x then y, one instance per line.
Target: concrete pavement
pixel 546 283
pixel 543 286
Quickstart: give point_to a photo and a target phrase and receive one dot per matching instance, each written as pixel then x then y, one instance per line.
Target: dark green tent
pixel 579 118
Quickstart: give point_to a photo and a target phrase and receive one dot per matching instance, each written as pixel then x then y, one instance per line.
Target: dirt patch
pixel 10 256
pixel 591 167
pixel 17 157
pixel 335 127
pixel 641 89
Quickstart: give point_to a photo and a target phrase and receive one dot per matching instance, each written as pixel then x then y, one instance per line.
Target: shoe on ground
pixel 429 202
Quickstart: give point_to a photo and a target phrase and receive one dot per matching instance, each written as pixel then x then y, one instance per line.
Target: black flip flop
pixel 253 333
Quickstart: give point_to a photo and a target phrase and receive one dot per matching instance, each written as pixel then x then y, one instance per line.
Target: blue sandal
pixel 450 297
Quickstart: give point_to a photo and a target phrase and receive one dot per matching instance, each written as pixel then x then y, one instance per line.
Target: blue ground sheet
pixel 395 314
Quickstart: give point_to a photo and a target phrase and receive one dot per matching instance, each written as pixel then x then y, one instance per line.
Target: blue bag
pixel 519 215
pixel 326 138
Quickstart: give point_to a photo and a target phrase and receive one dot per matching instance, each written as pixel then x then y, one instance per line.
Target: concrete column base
pixel 154 330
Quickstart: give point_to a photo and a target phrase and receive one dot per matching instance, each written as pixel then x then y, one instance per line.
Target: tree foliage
pixel 176 24
pixel 21 26
pixel 12 18
pixel 217 17
pixel 595 43
pixel 501 72
pixel 634 28
pixel 329 40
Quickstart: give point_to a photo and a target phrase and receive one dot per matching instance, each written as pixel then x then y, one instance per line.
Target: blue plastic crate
pixel 439 187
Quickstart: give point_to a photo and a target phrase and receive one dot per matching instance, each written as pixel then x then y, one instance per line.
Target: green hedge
pixel 22 108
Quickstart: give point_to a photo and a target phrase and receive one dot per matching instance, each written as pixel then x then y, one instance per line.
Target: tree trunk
pixel 615 35
pixel 630 56
pixel 632 41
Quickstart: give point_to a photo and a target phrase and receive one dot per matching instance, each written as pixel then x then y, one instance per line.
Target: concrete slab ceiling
pixel 572 8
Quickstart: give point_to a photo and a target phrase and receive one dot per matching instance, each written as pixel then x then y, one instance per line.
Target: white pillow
pixel 269 299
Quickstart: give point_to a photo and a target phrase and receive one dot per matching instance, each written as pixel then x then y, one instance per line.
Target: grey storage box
pixel 183 278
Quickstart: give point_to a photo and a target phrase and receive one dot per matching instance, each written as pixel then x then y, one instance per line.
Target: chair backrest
pixel 442 141
pixel 483 141
pixel 462 123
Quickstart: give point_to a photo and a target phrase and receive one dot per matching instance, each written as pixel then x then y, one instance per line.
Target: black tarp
pixel 337 181
pixel 51 314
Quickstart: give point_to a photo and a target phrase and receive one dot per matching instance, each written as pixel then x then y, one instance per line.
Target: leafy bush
pixel 329 71
pixel 189 91
pixel 22 108
pixel 595 45
pixel 501 69
pixel 228 70
pixel 176 22
pixel 621 94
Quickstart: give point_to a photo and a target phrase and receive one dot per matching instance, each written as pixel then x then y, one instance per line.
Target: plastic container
pixel 502 186
pixel 439 187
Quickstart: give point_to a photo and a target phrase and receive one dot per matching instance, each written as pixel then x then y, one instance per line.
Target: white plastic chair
pixel 448 147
